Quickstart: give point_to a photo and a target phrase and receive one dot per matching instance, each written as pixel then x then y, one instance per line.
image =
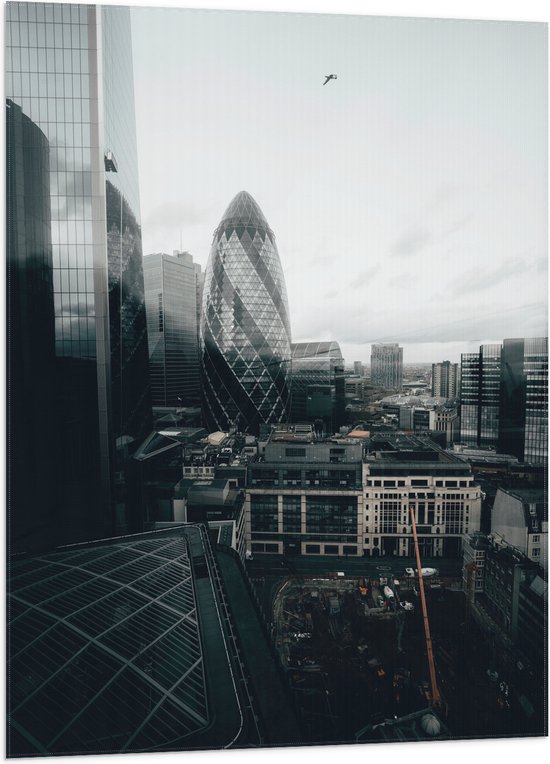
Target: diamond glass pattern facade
pixel 245 330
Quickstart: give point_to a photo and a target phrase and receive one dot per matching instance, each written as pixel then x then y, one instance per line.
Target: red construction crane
pixel 436 697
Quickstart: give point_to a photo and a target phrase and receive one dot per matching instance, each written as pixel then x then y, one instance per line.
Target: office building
pixel 480 396
pixel 523 424
pixel 386 366
pixel 245 330
pixel 406 473
pixel 520 518
pixel 134 645
pixel 318 384
pixel 172 283
pixel 32 446
pixel 445 379
pixel 504 398
pixel 69 72
pixel 422 413
pixel 305 497
pixel 358 369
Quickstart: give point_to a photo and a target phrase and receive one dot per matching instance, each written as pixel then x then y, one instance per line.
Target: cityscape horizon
pixel 284 485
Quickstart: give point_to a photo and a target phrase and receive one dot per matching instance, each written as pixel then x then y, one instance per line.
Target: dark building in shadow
pixel 33 447
pixel 77 215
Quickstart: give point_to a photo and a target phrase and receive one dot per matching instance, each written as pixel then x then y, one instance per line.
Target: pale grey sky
pixel 408 197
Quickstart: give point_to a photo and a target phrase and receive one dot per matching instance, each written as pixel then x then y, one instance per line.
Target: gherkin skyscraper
pixel 245 331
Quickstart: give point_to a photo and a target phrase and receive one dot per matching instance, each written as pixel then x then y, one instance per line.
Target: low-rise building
pixel 305 497
pixel 404 474
pixel 520 518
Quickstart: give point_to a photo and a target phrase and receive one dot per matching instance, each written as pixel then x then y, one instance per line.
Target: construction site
pixel 357 659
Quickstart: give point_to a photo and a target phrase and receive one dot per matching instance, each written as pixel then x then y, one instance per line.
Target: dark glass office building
pixel 318 384
pixel 245 330
pixel 32 445
pixel 523 429
pixel 480 396
pixel 69 71
pixel 172 285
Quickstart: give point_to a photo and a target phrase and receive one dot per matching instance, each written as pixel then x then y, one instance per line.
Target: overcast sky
pixel 408 197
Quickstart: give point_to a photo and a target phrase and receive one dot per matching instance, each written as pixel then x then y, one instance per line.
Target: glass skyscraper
pixel 480 396
pixel 523 428
pixel 318 383
pixel 172 284
pixel 245 330
pixel 69 71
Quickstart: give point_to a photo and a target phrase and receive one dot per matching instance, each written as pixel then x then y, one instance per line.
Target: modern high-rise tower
pixel 504 398
pixel 480 396
pixel 318 384
pixel 69 71
pixel 445 379
pixel 245 330
pixel 171 291
pixel 386 366
pixel 523 426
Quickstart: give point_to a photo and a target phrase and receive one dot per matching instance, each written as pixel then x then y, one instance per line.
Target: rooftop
pixel 118 646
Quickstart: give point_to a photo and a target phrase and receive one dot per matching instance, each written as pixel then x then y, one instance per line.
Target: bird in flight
pixel 330 77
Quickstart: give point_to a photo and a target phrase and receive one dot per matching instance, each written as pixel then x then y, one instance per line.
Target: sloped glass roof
pixel 105 649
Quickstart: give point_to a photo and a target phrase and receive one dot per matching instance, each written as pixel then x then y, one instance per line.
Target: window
pixel 536 539
pixel 313 549
pixel 295 452
pixel 331 514
pixel 349 550
pixel 271 547
pixel 292 514
pixel 418 483
pixel 536 552
pixel 331 549
pixel 264 513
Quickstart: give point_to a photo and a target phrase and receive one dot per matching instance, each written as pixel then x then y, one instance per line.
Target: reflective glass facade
pixel 524 399
pixel 68 68
pixel 32 446
pixel 317 383
pixel 245 331
pixel 480 396
pixel 171 286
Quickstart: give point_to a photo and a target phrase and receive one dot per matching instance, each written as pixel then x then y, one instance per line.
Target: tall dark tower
pixel 245 331
pixel 69 70
pixel 32 445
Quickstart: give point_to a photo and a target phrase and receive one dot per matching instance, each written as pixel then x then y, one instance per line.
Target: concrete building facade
pixel 445 379
pixel 520 518
pixel 305 497
pixel 386 365
pixel 404 474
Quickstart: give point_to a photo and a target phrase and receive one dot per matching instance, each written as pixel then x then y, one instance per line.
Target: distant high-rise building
pixel 245 330
pixel 445 379
pixel 523 426
pixel 358 368
pixel 386 362
pixel 480 396
pixel 171 287
pixel 69 72
pixel 504 398
pixel 318 384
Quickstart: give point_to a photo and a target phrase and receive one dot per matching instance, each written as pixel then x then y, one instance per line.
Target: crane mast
pixel 436 697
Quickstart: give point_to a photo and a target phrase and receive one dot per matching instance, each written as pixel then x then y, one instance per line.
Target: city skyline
pixel 390 186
